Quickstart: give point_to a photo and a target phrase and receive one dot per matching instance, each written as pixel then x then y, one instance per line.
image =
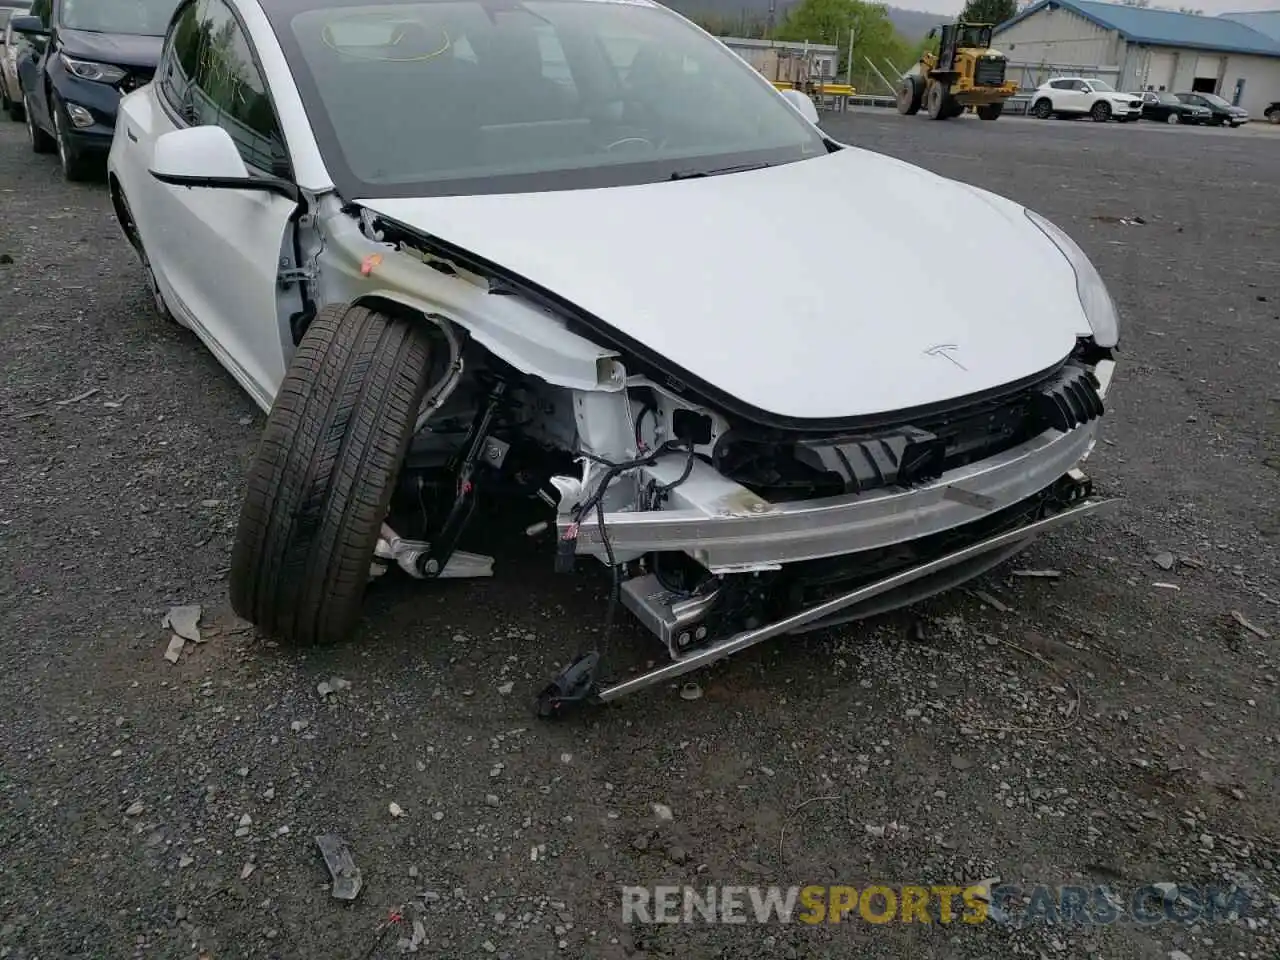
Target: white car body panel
pixel 216 253
pixel 783 325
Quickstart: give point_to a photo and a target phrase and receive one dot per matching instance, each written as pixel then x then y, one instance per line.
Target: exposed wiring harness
pixel 647 408
pixel 595 502
pixel 438 394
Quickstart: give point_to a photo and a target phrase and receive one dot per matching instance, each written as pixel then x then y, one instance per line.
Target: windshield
pixel 460 97
pixel 973 37
pixel 1101 86
pixel 143 18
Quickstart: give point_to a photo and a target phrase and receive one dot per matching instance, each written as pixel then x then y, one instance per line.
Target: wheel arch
pixel 518 350
pixel 124 216
pixel 442 328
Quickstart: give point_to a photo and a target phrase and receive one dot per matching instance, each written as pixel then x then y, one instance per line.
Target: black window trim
pixel 181 123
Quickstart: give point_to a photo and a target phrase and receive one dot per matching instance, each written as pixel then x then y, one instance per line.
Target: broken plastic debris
pixel 1167 586
pixel 1253 628
pixel 395 809
pixel 174 650
pixel 370 263
pixel 662 811
pixel 332 685
pixel 690 691
pixel 184 621
pixel 991 601
pixel 1048 574
pixel 343 869
pixel 77 398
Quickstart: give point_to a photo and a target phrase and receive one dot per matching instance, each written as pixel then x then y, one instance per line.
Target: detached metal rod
pixel 750 638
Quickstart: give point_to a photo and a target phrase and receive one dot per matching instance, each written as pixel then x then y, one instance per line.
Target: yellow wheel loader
pixel 965 72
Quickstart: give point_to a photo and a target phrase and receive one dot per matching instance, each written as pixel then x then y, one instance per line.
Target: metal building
pixel 1138 48
pixel 1264 21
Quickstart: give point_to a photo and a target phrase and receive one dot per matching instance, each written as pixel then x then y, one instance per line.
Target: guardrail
pixel 1019 103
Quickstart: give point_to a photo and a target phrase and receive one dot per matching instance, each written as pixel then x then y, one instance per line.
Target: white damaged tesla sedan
pixel 576 257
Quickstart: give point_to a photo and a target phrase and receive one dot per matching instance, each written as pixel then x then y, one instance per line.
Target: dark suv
pixel 83 55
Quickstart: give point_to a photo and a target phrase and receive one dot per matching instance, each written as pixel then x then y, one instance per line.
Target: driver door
pixel 217 251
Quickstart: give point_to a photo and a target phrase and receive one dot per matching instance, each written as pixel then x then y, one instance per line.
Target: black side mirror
pixel 30 26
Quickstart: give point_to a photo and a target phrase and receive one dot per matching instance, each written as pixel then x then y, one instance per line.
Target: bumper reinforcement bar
pixel 749 638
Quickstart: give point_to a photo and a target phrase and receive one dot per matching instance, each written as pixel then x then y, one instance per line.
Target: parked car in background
pixel 83 55
pixel 1082 96
pixel 1164 107
pixel 1272 112
pixel 10 92
pixel 1221 112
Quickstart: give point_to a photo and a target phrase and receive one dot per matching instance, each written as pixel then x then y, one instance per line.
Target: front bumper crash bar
pixel 749 638
pixel 727 528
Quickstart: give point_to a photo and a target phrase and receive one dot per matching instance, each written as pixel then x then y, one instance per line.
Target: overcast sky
pixel 1210 7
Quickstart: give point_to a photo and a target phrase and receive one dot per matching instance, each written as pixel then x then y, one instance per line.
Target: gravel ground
pixel 1094 728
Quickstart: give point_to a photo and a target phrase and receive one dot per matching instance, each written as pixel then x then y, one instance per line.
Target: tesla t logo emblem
pixel 945 350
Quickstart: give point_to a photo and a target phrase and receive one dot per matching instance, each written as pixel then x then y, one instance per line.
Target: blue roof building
pixel 1236 56
pixel 1264 21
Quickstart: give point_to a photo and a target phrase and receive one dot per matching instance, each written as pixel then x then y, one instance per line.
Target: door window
pixel 179 60
pixel 210 78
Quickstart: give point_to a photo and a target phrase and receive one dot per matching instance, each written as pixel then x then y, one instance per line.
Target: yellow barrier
pixel 819 89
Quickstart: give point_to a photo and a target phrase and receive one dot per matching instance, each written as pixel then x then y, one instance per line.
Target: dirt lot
pixel 1115 725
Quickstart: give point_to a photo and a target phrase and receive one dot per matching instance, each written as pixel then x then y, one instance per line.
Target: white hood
pixel 846 285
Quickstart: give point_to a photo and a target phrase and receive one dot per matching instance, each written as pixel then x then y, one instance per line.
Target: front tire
pixel 12 108
pixel 939 102
pixel 324 473
pixel 1042 109
pixel 1101 112
pixel 910 96
pixel 990 111
pixel 76 166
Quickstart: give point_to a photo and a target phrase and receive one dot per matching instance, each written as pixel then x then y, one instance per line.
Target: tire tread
pixel 325 469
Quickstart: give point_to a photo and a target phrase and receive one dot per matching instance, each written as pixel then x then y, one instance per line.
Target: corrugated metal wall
pixel 1059 36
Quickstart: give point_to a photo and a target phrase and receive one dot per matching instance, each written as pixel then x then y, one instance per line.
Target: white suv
pixel 1076 96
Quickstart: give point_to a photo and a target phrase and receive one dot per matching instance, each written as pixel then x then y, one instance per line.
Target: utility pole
pixel 769 29
pixel 849 70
